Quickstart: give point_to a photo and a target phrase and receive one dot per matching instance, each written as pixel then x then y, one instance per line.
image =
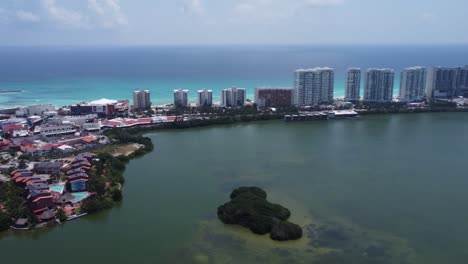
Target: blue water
pixel 67 75
pixel 57 188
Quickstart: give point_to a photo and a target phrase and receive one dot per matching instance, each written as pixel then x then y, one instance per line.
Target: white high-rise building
pixel 353 85
pixel 413 84
pixel 233 97
pixel 141 99
pixel 313 86
pixel 379 85
pixel 181 98
pixel 204 97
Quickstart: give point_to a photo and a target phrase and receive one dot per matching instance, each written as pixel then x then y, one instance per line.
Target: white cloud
pixel 108 12
pixel 27 16
pixel 66 17
pixel 194 7
pixel 322 3
pixel 277 9
pixel 428 18
pixel 244 8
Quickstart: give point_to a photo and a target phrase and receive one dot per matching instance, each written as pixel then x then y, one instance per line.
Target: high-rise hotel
pixel 412 84
pixel 141 100
pixel 205 98
pixel 181 98
pixel 379 85
pixel 233 97
pixel 447 83
pixel 353 85
pixel 313 86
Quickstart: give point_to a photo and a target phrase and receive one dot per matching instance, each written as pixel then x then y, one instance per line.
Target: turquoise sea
pixel 67 75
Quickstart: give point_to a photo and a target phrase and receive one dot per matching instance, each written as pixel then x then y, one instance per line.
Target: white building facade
pixel 233 97
pixel 204 98
pixel 181 98
pixel 26 111
pixel 413 84
pixel 379 85
pixel 313 86
pixel 141 99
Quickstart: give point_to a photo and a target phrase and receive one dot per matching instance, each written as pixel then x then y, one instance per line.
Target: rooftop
pixel 103 101
pixel 316 69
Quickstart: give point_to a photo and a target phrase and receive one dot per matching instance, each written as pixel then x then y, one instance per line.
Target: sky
pixel 212 22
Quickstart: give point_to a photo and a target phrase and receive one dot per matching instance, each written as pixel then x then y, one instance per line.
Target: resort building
pixel 313 86
pixel 26 111
pixel 266 97
pixel 441 82
pixel 103 107
pixel 48 167
pixel 181 98
pixel 57 130
pixel 353 85
pixel 379 85
pixel 141 100
pixel 233 97
pixel 204 98
pixel 462 82
pixel 413 84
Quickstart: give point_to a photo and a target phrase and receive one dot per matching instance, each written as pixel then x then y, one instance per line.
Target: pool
pixel 79 196
pixel 58 188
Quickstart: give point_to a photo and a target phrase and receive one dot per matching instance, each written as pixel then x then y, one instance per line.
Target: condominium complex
pixel 273 97
pixel 313 86
pixel 353 85
pixel 379 85
pixel 141 100
pixel 413 84
pixel 204 98
pixel 441 82
pixel 181 98
pixel 462 82
pixel 233 97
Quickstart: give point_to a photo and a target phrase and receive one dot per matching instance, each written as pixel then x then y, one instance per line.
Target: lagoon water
pixel 397 181
pixel 67 75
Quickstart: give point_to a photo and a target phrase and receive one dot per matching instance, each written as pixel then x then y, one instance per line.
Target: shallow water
pixel 393 187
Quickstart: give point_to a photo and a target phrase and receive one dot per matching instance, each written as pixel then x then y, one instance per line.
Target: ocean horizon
pixel 64 75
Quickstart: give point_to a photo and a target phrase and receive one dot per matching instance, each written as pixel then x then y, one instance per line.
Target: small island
pixel 249 208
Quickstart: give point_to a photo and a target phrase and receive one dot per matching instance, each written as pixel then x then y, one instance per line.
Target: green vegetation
pixel 13 198
pixel 61 215
pixel 5 221
pixel 106 176
pixel 249 208
pixel 96 204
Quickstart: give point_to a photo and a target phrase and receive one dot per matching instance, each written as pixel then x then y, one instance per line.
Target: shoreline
pixel 137 136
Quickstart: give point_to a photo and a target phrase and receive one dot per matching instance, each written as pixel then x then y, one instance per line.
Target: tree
pixel 22 164
pixel 61 215
pixel 117 195
pixel 5 221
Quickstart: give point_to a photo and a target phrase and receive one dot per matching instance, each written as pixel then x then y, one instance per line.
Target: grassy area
pixel 119 149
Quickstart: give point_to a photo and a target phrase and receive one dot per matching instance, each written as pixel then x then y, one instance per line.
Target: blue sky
pixel 193 22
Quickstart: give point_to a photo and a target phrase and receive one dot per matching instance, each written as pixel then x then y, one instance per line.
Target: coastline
pixel 136 135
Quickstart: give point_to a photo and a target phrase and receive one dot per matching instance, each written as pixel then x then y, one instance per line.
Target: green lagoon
pixel 393 189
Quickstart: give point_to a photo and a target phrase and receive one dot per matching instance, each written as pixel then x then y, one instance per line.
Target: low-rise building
pixel 58 130
pixel 39 109
pixel 48 167
pixel 102 107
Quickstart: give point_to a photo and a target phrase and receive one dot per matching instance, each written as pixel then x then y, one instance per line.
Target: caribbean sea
pixel 67 75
